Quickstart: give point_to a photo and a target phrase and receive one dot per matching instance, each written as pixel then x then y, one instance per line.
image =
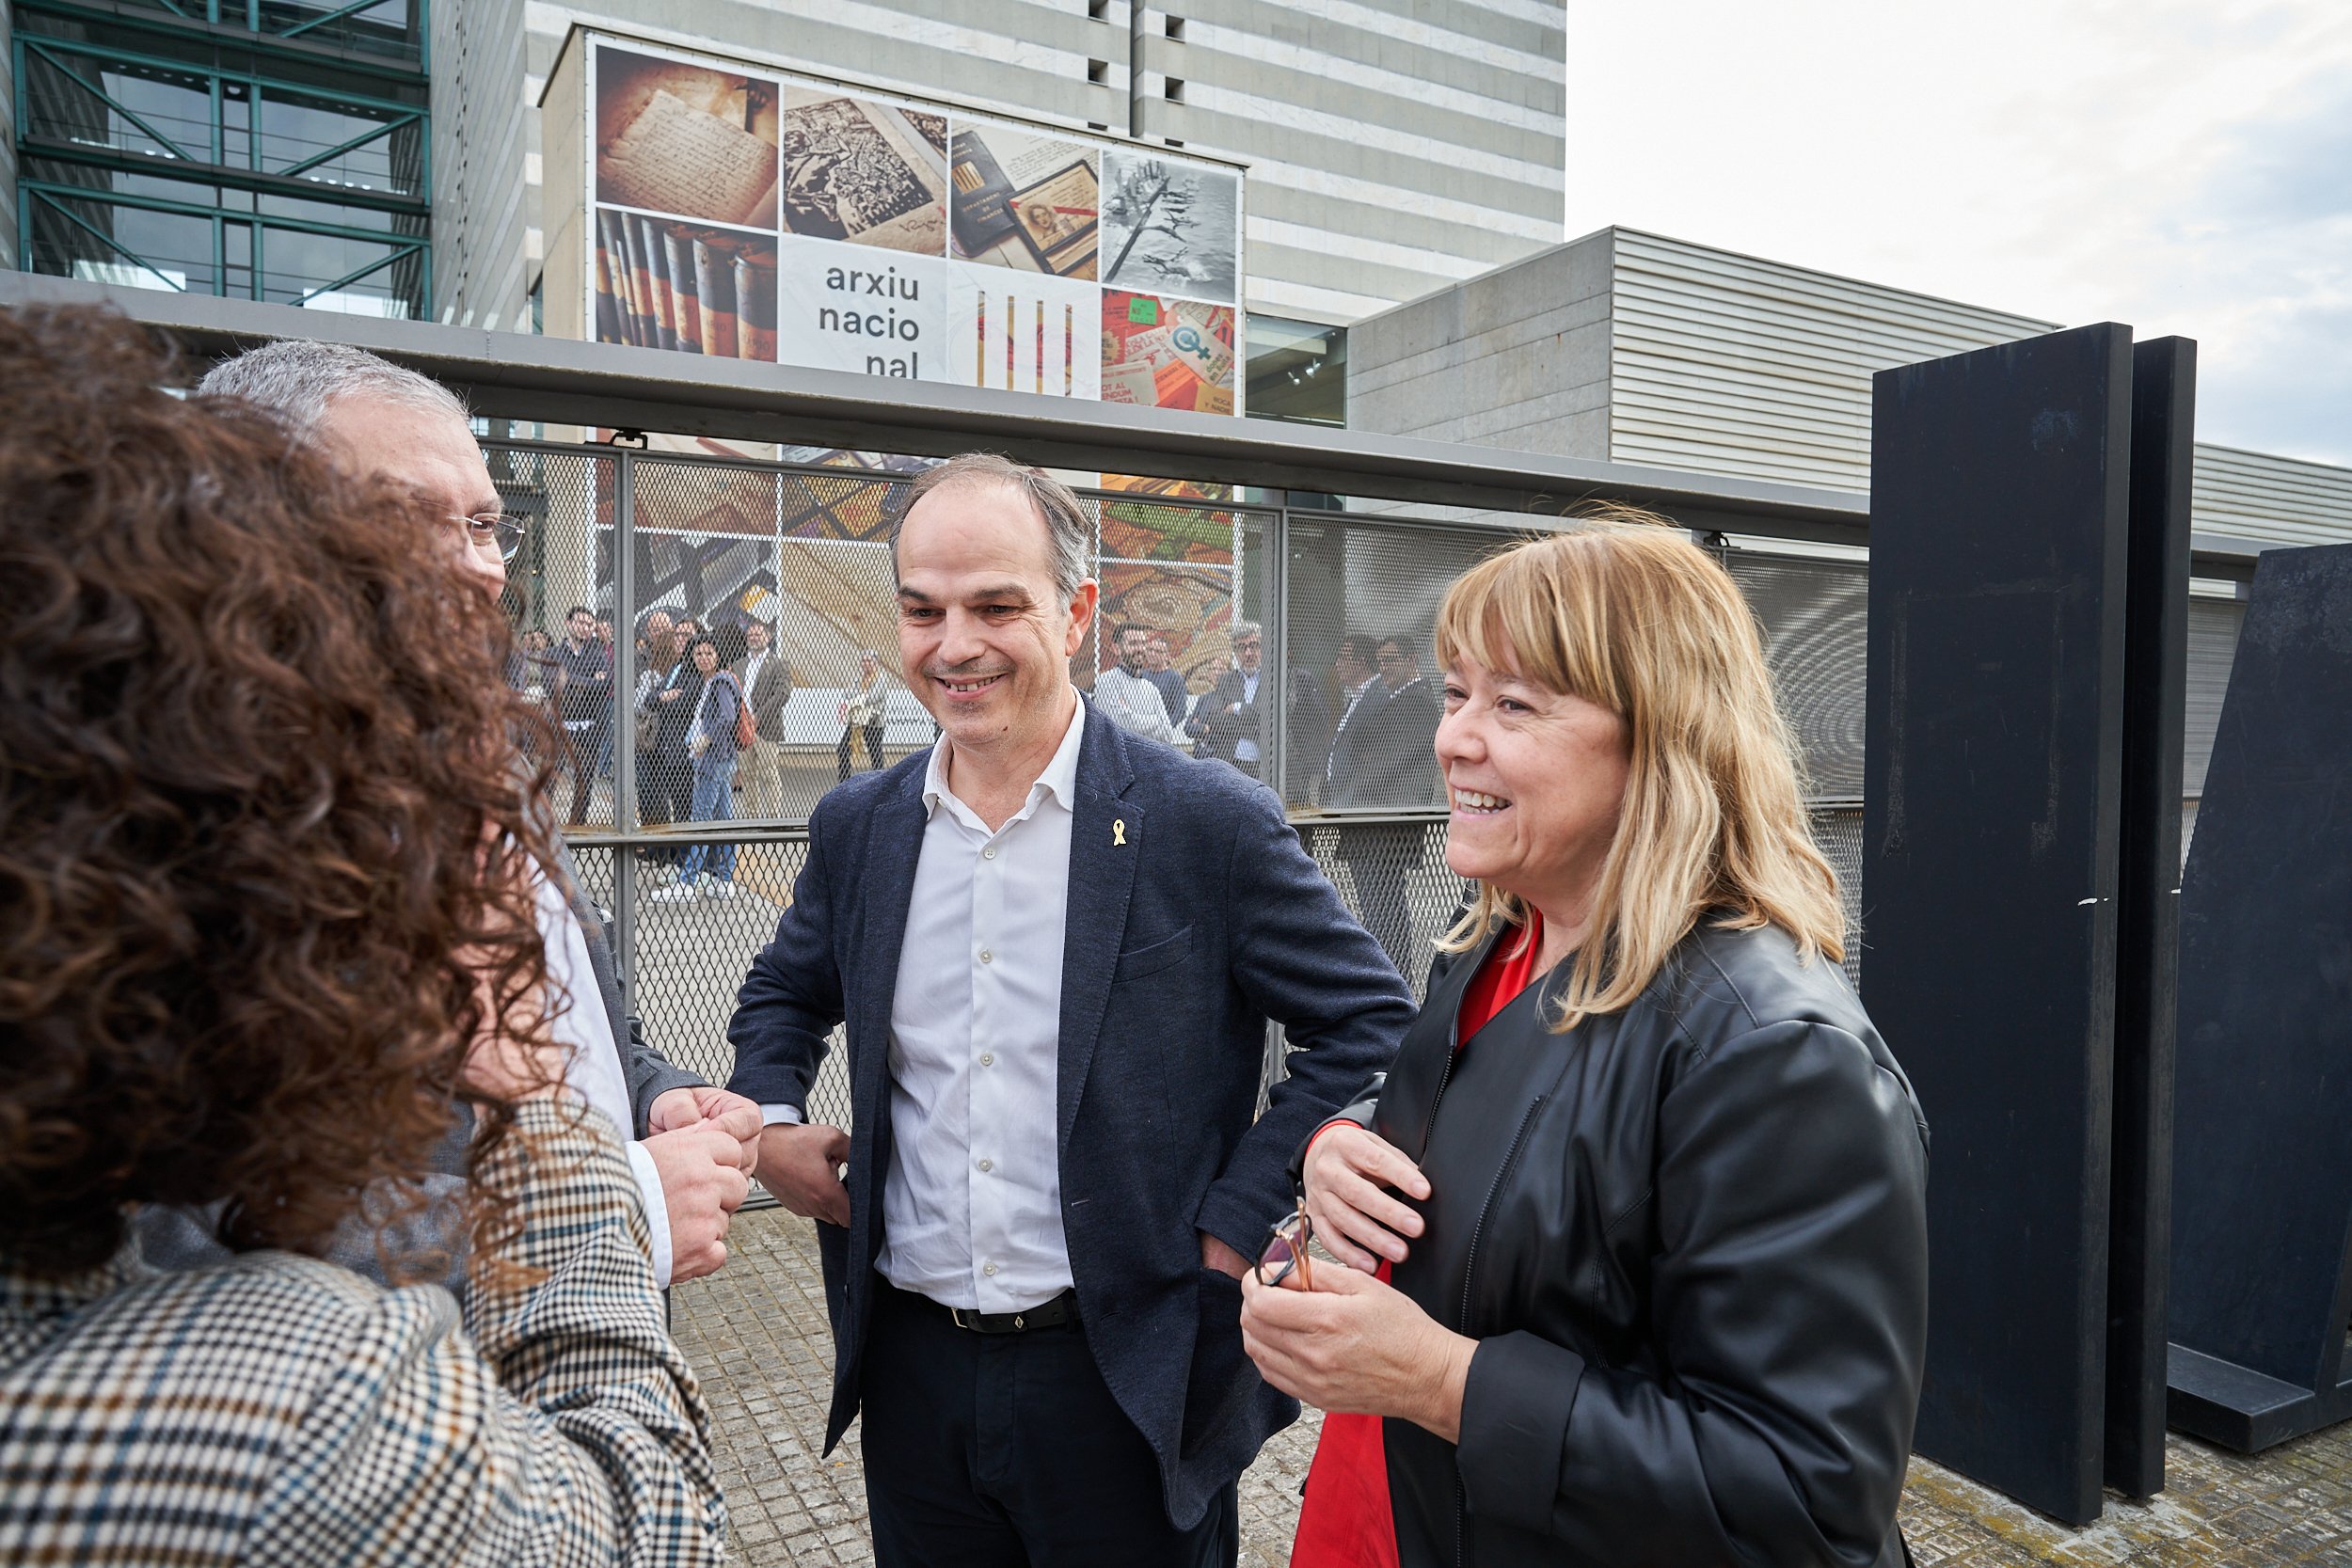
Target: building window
pixel 1297 370
pixel 1098 10
pixel 1174 89
pixel 1099 73
pixel 213 148
pixel 1173 26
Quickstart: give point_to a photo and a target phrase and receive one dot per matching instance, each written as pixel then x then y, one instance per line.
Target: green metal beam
pixel 361 141
pixel 146 21
pixel 226 176
pixel 103 238
pixel 400 254
pixel 34 45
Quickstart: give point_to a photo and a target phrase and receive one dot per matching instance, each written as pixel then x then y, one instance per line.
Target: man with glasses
pixel 1230 721
pixel 380 420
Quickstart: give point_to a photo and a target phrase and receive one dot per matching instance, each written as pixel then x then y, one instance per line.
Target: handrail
pixel 563 382
pixel 560 380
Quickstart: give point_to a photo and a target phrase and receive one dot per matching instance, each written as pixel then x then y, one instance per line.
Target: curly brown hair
pixel 263 840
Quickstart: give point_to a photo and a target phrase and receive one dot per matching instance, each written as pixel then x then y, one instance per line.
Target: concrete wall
pixel 1519 357
pixel 483 258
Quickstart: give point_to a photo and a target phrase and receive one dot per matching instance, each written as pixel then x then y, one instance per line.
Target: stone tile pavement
pixel 756 1333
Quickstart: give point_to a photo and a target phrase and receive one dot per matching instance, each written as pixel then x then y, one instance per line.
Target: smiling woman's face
pixel 1536 779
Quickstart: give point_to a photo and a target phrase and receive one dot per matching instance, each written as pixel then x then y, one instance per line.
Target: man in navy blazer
pixel 1056 946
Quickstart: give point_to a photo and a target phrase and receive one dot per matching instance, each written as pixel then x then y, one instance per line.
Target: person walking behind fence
pixel 1057 949
pixel 1385 759
pixel 1171 680
pixel 1127 698
pixel 585 704
pixel 766 678
pixel 861 708
pixel 379 420
pixel 711 749
pixel 656 656
pixel 671 703
pixel 248 977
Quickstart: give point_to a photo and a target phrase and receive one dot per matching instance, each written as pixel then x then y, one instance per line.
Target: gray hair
pixel 296 378
pixel 1245 628
pixel 1069 529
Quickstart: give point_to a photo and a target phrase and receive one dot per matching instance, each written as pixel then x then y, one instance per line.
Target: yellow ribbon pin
pixel 1119 833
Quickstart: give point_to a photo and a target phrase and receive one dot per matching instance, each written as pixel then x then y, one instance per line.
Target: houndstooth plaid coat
pixel 277 1409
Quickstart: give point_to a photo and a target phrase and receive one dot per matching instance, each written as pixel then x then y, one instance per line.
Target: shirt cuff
pixel 656 1210
pixel 781 1116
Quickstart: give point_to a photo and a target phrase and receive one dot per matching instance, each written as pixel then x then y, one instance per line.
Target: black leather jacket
pixel 1691 1241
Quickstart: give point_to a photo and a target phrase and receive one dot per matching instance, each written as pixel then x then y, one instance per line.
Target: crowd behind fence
pixel 1256 628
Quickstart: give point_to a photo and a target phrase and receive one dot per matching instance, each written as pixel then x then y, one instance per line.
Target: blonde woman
pixel 1646 1186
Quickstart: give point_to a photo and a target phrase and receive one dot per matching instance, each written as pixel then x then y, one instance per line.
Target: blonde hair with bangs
pixel 1642 622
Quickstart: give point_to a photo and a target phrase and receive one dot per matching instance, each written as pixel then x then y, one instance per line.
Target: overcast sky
pixel 2181 166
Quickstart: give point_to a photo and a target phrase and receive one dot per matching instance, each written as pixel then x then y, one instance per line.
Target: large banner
pixel 742 211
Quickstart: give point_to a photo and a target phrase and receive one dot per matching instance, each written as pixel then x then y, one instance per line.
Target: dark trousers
pixel 665 793
pixel 582 748
pixel 987 1451
pixel 873 750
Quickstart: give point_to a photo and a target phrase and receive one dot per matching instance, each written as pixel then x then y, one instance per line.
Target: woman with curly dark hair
pixel 266 914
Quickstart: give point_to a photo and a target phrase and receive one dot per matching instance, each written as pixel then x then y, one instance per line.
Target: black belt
pixel 1062 1309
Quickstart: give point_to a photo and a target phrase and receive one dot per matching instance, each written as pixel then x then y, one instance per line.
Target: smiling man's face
pixel 984 636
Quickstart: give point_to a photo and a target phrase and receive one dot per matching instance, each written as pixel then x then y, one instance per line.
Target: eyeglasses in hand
pixel 1286 1250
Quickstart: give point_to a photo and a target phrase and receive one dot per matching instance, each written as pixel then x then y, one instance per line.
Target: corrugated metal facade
pixel 1730 365
pixel 1726 364
pixel 2249 495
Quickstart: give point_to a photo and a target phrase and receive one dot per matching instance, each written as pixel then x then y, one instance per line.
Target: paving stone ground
pixel 756 1333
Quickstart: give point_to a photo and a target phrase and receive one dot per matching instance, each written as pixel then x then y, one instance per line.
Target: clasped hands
pixel 1353 1343
pixel 704 1143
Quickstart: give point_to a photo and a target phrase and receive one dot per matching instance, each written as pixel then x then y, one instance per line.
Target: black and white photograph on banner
pixel 865 171
pixel 1170 227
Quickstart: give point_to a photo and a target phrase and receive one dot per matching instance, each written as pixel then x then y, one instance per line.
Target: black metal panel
pixel 1994 734
pixel 2155 683
pixel 2262 1144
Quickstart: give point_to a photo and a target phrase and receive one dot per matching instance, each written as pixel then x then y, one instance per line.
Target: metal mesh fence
pixel 784 568
pixel 1816 618
pixel 561 494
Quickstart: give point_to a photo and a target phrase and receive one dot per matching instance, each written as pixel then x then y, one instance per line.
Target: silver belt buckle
pixel 956 1315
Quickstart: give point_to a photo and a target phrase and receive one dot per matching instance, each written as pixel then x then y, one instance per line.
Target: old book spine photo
pixel 714 281
pixel 755 306
pixel 684 289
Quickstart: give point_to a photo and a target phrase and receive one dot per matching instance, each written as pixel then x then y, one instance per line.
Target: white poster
pixel 1024 331
pixel 850 308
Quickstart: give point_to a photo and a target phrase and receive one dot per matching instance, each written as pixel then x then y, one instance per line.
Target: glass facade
pixel 1297 370
pixel 277 152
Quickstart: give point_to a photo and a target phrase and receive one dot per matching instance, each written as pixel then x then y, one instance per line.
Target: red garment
pixel 1345 1521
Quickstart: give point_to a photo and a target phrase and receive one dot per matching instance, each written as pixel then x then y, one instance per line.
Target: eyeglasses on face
pixel 495 535
pixel 1286 1250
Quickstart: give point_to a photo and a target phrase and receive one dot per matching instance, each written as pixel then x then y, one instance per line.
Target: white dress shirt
pixel 972 1198
pixel 1245 744
pixel 1135 706
pixel 592 1066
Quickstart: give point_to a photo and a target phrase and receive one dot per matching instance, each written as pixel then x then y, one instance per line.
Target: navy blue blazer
pixel 1182 943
